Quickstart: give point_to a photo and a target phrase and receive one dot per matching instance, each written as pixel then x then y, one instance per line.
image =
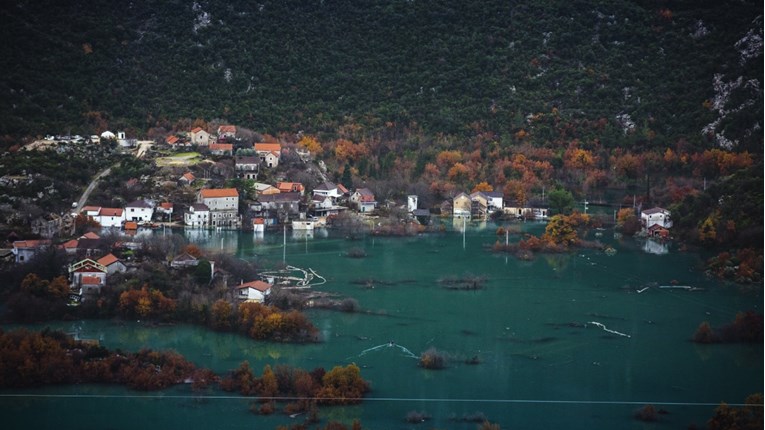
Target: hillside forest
pixel 640 103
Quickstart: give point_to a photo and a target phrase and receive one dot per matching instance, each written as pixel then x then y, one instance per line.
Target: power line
pixel 378 399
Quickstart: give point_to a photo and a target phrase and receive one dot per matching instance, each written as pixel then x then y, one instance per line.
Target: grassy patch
pixel 180 159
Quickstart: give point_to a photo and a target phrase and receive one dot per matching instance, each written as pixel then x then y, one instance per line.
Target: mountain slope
pixel 655 67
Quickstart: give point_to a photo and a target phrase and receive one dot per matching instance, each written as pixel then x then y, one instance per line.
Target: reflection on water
pixel 652 246
pixel 561 341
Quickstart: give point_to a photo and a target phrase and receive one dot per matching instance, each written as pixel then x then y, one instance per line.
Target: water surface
pixel 544 362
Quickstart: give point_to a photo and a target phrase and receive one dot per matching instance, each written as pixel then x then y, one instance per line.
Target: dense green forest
pixel 645 72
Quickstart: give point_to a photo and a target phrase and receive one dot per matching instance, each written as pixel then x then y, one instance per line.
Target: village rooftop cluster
pixel 275 205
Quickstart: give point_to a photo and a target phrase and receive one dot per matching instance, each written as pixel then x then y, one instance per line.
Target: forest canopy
pixel 624 72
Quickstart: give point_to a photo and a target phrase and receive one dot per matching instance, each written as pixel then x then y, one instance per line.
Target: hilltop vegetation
pixel 644 102
pixel 623 72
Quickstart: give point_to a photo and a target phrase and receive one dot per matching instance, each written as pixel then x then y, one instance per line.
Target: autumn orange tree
pixel 260 321
pixel 311 143
pixel 221 314
pixel 145 303
pixel 342 386
pixel 627 221
pixel 562 229
pixel 347 151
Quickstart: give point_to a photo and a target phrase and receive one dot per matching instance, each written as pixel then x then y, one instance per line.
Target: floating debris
pixel 287 278
pixel 597 324
pixel 391 344
pixel 680 287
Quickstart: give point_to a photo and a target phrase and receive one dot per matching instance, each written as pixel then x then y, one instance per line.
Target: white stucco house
pixel 197 216
pixel 110 217
pixel 656 216
pixel 139 211
pixel 253 291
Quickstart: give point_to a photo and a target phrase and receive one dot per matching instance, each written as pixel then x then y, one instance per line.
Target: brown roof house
pixel 254 291
pixel 364 200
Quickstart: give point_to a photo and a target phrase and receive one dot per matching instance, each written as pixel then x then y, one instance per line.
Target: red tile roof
pixel 108 259
pixel 365 195
pixel 172 140
pixel 91 208
pixel 166 205
pixel 258 221
pixel 91 280
pixel 90 235
pixel 268 147
pixel 196 129
pixel 72 244
pixel 110 212
pixel 30 243
pixel 287 187
pixel 188 176
pixel 258 285
pixel 227 129
pixel 221 147
pixel 131 225
pixel 220 192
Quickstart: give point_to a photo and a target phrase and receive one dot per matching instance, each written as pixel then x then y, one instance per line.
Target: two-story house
pixel 199 137
pixel 198 215
pixel 327 189
pixel 364 200
pixel 139 211
pixel 224 206
pixel 461 206
pixel 25 250
pixel 269 153
pixel 86 277
pixel 247 166
pixel 656 222
pixel 281 204
pixel 110 217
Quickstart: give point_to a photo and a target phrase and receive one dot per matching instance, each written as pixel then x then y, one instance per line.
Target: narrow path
pixel 91 187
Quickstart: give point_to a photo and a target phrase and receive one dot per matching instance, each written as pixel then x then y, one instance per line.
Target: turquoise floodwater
pixel 544 363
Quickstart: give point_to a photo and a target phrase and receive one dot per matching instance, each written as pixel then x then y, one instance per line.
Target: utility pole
pixel 464 229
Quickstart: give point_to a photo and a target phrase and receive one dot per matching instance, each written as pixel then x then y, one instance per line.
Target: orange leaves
pixel 347 151
pixel 459 172
pixel 577 158
pixel 267 322
pixel 483 186
pixel 446 159
pixel 342 385
pixel 628 166
pixel 515 191
pixel 561 229
pixel 311 143
pixel 221 314
pixel 145 303
pixel 193 250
